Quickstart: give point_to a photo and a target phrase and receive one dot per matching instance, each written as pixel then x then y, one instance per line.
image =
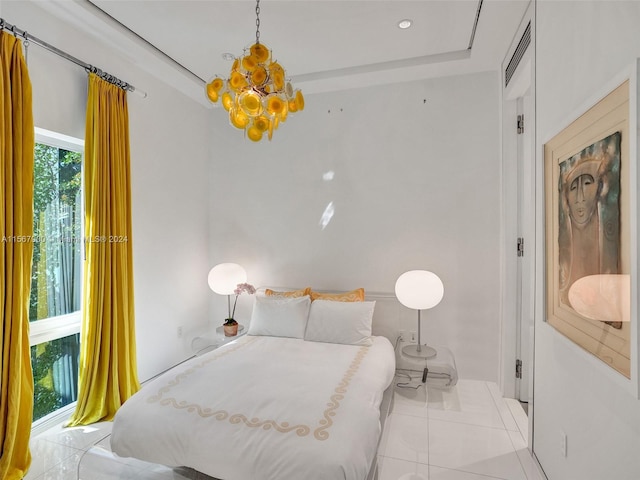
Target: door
pixel 518 192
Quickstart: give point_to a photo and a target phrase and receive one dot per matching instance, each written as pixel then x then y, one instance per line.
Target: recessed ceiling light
pixel 228 56
pixel 404 24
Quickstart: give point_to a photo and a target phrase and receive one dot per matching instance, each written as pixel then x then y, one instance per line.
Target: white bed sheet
pixel 263 408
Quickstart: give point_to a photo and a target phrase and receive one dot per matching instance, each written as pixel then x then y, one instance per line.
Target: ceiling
pixel 324 45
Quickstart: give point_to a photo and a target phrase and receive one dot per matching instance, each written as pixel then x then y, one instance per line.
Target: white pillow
pixel 279 316
pixel 340 322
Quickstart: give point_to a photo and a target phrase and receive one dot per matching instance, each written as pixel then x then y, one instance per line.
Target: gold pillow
pixel 293 294
pixel 356 295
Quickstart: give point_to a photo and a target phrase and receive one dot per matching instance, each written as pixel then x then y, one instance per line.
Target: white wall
pixel 169 179
pixel 581 46
pixel 415 186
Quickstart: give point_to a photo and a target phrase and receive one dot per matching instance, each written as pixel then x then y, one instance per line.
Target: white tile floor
pixel 467 432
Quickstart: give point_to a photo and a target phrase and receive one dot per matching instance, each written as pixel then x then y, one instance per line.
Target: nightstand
pixel 441 368
pixel 211 340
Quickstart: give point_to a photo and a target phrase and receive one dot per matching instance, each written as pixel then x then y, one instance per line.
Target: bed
pixel 299 396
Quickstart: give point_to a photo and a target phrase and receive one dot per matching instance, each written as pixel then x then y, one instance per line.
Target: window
pixel 55 374
pixel 56 275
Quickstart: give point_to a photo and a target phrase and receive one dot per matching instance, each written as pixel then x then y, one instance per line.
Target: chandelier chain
pixel 257 21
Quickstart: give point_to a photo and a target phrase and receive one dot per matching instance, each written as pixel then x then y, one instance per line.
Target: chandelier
pixel 257 94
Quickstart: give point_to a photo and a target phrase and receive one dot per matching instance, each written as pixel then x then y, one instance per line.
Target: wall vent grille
pixel 523 44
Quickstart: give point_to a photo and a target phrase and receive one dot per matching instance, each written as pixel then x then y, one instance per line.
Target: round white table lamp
pixel 419 290
pixel 224 279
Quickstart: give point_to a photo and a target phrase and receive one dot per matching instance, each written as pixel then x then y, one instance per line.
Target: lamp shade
pixel 419 289
pixel 225 277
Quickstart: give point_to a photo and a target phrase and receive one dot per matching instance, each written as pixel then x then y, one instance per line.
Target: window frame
pixel 61 326
pixel 52 328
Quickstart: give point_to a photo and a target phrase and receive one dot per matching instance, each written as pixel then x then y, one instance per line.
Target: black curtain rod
pixel 87 67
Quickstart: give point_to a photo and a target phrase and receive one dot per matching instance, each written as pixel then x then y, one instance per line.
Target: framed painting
pixel 587 222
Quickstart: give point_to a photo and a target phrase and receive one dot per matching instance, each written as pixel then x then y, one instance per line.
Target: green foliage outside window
pixel 57 182
pixel 52 363
pixel 45 398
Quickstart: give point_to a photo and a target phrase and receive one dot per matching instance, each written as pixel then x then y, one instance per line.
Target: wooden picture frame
pixel 589 176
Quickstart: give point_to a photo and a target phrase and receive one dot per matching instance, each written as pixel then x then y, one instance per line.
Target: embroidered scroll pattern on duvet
pixel 320 433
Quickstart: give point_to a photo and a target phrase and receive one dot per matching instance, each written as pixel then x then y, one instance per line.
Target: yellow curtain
pixel 16 229
pixel 108 369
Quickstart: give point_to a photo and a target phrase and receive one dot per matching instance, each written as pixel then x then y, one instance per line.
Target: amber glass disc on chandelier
pixel 211 93
pixel 259 76
pixel 260 52
pixel 227 101
pixel 250 103
pixel 254 133
pixel 275 105
pixel 238 118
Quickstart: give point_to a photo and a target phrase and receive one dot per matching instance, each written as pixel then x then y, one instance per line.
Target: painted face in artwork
pixel 582 197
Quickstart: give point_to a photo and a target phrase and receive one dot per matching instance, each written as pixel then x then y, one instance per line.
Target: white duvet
pixel 263 408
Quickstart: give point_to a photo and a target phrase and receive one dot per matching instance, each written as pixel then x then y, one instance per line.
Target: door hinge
pixel 520 247
pixel 518 368
pixel 520 124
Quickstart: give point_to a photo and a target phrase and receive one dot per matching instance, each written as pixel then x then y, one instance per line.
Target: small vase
pixel 230 330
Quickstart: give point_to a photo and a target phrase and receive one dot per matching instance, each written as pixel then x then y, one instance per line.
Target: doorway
pixel 518 171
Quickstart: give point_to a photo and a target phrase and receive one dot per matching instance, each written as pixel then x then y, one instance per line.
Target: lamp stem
pixel 419 349
pixel 229 305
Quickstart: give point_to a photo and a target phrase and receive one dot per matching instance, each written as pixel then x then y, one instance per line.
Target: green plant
pixel 45 398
